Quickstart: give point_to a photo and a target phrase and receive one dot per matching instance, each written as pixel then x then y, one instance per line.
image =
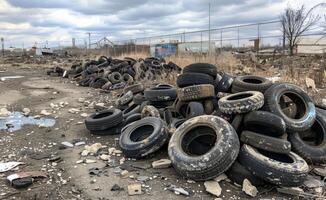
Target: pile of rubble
pixel 110 74
pixel 255 131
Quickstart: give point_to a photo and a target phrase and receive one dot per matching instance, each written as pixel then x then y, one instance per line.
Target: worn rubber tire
pixel 225 84
pixel 204 68
pixel 139 99
pixel 250 83
pixel 209 106
pixel 238 173
pixel 211 162
pixel 115 77
pixel 196 92
pixel 288 174
pixel 98 82
pixel 110 131
pixel 237 123
pixel 264 123
pixel 312 153
pixel 150 111
pixel 194 109
pixel 125 99
pixel 181 107
pixel 127 78
pixel 132 109
pixel 260 141
pixel 104 120
pixel 136 88
pixel 143 137
pixel 242 102
pixel 303 102
pixel 132 118
pixel 188 79
pixel 160 94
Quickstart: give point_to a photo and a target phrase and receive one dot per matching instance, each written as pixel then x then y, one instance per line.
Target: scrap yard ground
pixel 36 146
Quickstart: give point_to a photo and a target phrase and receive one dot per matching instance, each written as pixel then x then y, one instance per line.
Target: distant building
pixel 312 45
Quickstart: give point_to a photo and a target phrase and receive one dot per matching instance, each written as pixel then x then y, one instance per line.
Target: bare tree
pixel 295 22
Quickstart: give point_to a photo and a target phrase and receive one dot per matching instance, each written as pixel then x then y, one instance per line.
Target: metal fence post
pixel 221 39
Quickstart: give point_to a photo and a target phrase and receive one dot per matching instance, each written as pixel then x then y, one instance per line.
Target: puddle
pixel 4 78
pixel 16 120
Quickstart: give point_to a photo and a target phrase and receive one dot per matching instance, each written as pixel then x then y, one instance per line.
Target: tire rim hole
pixel 141 133
pixel 253 81
pixel 276 156
pixel 315 136
pixel 288 98
pixel 198 141
pixel 239 96
pixel 101 115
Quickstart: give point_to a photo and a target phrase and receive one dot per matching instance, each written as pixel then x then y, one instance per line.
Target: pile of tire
pixel 214 123
pixel 110 74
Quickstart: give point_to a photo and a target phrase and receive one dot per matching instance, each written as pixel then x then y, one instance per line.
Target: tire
pixel 115 77
pixel 307 111
pixel 266 143
pixel 288 173
pixel 238 173
pixel 132 109
pixel 250 83
pixel 188 79
pixel 161 104
pixel 194 109
pixel 225 84
pixel 160 94
pixel 150 111
pixel 208 106
pixel 143 137
pixel 110 131
pixel 314 152
pixel 290 110
pixel 237 123
pixel 167 116
pixel 104 120
pixel 264 123
pixel 203 147
pixel 175 123
pixel 196 92
pixel 98 82
pixel 242 102
pixel 138 99
pixel 181 107
pixel 204 68
pixel 136 88
pixel 132 118
pixel 125 99
pixel 127 78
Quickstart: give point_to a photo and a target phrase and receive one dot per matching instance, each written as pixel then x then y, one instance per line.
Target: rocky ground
pixel 71 175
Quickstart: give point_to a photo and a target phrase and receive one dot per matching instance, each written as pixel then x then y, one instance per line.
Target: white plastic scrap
pixel 4 167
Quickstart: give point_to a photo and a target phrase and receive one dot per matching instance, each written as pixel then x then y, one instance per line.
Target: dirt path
pixel 67 179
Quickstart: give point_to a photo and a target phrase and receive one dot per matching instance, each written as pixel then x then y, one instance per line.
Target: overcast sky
pixel 28 21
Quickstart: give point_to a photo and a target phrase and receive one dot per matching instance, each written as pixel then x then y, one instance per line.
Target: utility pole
pixel 3 47
pixel 209 28
pixel 89 40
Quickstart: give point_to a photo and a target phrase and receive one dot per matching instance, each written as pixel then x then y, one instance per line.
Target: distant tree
pixel 295 22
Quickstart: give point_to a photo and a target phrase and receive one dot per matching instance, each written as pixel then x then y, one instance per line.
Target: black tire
pixel 160 94
pixel 132 118
pixel 242 102
pixel 132 109
pixel 161 104
pixel 175 123
pixel 209 106
pixel 125 99
pixel 194 109
pixel 150 111
pixel 188 79
pixel 22 182
pixel 203 147
pixel 225 84
pixel 127 78
pixel 104 120
pixel 306 109
pixel 311 144
pixel 237 123
pixel 143 137
pixel 115 77
pixel 264 123
pixel 279 169
pixel 196 92
pixel 98 82
pixel 238 173
pixel 138 99
pixel 266 143
pixel 110 131
pixel 181 107
pixel 204 68
pixel 250 83
pixel 136 88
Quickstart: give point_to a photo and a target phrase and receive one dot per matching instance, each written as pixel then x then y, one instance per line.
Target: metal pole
pixel 209 28
pixel 201 43
pixel 221 39
pixel 3 46
pixel 238 38
pixel 258 35
pixel 89 41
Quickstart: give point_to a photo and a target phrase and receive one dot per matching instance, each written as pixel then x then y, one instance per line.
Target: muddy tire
pixel 266 143
pixel 250 83
pixel 98 82
pixel 194 109
pixel 238 173
pixel 264 123
pixel 136 88
pixel 203 68
pixel 143 137
pixel 132 109
pixel 196 92
pixel 225 84
pixel 104 120
pixel 203 147
pixel 150 111
pixel 242 102
pixel 139 99
pixel 188 79
pixel 181 107
pixel 115 77
pixel 132 118
pixel 279 169
pixel 311 144
pixel 110 131
pixel 127 78
pixel 209 106
pixel 125 99
pixel 306 114
pixel 160 94
pixel 237 123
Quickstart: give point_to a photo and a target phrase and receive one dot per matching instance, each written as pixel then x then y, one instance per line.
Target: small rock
pixel 221 177
pixel 142 178
pixel 104 157
pixel 84 115
pixel 124 173
pixel 94 147
pixel 310 83
pixel 84 153
pixel 320 171
pixel 67 144
pixel 323 102
pixel 80 143
pixel 89 161
pixel 213 188
pixel 161 164
pixel 111 150
pixel 4 112
pixel 116 187
pixel 178 190
pixel 26 111
pixel 116 151
pixel 134 189
pixel 45 112
pixel 249 189
pixel 81 100
pixel 73 110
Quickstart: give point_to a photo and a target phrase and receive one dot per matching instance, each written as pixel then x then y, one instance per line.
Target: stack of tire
pixel 245 126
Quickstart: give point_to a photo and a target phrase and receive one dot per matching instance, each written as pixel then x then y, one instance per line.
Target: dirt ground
pixel 67 179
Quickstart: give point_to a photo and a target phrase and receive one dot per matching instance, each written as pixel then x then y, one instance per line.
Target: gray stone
pixel 213 188
pixel 134 189
pixel 161 164
pixel 249 189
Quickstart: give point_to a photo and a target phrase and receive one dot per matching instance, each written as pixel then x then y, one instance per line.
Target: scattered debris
pixel 9 166
pixel 67 144
pixel 178 190
pixel 161 164
pixel 134 189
